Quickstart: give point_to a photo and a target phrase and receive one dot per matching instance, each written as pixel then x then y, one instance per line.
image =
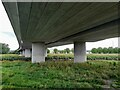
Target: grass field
pixel 61 74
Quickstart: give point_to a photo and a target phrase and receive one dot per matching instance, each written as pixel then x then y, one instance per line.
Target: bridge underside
pixel 59 23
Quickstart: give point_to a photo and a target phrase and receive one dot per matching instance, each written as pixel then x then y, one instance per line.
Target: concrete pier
pixel 23 52
pixel 27 53
pixel 38 52
pixel 79 52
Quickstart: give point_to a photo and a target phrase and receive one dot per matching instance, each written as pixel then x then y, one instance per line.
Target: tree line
pixel 4 49
pixel 99 50
pixel 65 51
pixel 109 50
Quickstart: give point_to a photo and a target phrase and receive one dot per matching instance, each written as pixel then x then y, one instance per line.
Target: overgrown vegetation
pixel 61 74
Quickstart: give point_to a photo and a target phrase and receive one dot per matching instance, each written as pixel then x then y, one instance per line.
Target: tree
pixel 119 50
pixel 99 50
pixel 55 51
pixel 105 50
pixel 94 50
pixel 64 51
pixel 5 48
pixel 115 50
pixel 67 50
pixel 110 50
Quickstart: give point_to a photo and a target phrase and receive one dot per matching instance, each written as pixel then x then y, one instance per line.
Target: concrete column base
pixel 38 52
pixel 27 53
pixel 79 52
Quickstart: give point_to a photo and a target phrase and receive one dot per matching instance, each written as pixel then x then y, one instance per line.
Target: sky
pixel 7 36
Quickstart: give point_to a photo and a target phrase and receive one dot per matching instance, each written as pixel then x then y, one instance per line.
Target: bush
pixel 12 57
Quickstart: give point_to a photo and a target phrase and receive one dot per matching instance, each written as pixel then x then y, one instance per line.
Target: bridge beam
pixel 38 52
pixel 79 52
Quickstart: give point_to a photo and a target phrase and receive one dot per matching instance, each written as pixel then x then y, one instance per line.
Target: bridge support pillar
pixel 38 52
pixel 27 53
pixel 79 52
pixel 23 53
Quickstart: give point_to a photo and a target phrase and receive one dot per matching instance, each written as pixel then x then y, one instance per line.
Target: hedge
pixel 12 57
pixel 63 57
pixel 89 57
pixel 103 57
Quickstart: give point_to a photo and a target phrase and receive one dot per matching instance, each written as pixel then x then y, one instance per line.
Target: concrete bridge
pixel 39 25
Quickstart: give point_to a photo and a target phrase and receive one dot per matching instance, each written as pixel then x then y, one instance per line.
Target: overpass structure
pixel 39 25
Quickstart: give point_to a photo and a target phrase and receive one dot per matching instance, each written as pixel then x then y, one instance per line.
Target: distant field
pixel 61 74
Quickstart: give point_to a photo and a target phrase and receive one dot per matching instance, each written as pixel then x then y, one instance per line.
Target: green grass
pixel 60 74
